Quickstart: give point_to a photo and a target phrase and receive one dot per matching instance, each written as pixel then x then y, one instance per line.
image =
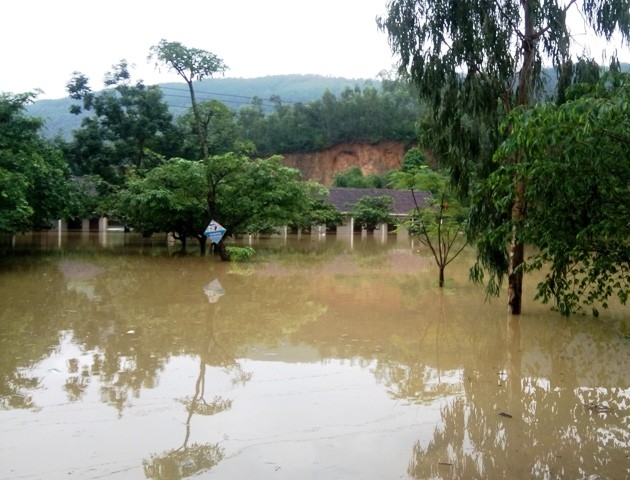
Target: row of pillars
pixel 101 225
pixel 347 229
pixel 86 224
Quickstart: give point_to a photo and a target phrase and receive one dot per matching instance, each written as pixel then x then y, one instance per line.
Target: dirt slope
pixel 322 166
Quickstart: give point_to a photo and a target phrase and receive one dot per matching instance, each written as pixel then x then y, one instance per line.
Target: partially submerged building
pixel 404 202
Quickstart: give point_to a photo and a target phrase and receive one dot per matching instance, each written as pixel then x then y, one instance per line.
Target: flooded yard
pixel 324 358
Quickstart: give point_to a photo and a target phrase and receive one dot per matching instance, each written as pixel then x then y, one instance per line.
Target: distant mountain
pixel 234 92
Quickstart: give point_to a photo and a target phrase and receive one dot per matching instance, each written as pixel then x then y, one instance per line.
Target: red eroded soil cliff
pixel 322 166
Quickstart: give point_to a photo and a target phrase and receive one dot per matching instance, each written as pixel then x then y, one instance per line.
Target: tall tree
pixel 476 60
pixel 251 122
pixel 576 163
pixel 191 64
pixel 130 126
pixel 220 127
pixel 34 177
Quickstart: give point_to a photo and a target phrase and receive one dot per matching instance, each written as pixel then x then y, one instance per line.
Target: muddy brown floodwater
pixel 324 358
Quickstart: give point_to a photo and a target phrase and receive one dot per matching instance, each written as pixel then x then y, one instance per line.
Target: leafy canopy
pixel 190 64
pixel 475 61
pixel 369 212
pixel 130 127
pixel 222 134
pixel 243 195
pixel 354 178
pixel 34 178
pixel 576 164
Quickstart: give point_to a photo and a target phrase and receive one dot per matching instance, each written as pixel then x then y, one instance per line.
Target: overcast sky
pixel 44 41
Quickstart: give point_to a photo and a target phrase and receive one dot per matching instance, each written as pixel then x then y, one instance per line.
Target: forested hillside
pixel 234 92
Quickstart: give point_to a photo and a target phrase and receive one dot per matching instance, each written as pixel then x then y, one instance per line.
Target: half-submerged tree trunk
pixel 515 277
pixel 517 254
pixel 443 249
pixel 525 85
pixel 203 240
pixel 223 251
pixel 182 240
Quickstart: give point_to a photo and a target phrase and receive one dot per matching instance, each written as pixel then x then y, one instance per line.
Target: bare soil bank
pixel 323 165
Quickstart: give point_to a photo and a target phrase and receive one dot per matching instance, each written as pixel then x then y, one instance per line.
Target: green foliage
pixel 320 112
pixel 354 178
pixel 240 254
pixel 356 115
pixel 251 196
pixel 475 61
pixel 584 72
pixel 34 178
pixel 243 195
pixel 414 158
pixel 576 165
pixel 318 211
pixel 369 212
pixel 436 41
pixel 439 224
pixel 218 123
pixel 323 213
pixel 191 64
pixel 130 128
pixel 91 197
pixel 421 178
pixel 15 211
pixel 236 93
pixel 170 198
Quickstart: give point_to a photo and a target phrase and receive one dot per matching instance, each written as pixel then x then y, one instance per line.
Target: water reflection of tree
pixel 131 341
pixel 77 381
pixel 29 323
pixel 133 324
pixel 189 460
pixel 14 391
pixel 186 461
pixel 183 462
pixel 426 364
pixel 130 324
pixel 526 428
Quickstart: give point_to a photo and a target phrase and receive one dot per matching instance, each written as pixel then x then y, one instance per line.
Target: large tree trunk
pixel 203 140
pixel 223 253
pixel 517 252
pixel 517 249
pixel 515 277
pixel 441 276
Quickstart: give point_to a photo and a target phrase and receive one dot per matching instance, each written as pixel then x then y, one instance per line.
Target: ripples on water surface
pixel 324 359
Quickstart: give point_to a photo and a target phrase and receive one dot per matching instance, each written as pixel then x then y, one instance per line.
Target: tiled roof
pixel 345 198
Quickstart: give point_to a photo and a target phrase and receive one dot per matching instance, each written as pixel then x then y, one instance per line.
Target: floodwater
pixel 325 358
